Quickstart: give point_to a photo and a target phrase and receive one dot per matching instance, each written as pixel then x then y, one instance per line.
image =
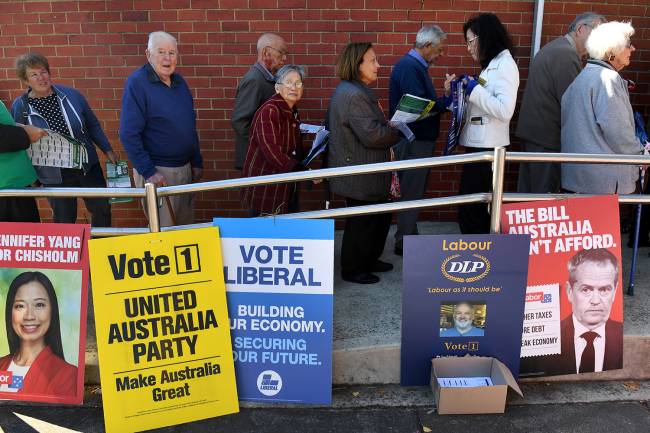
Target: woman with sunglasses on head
pixel 275 144
pixel 490 106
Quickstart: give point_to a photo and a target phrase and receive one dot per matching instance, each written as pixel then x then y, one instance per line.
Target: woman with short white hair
pixel 597 115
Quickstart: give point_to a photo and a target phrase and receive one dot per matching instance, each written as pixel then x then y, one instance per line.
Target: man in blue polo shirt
pixel 411 75
pixel 158 128
pixel 463 322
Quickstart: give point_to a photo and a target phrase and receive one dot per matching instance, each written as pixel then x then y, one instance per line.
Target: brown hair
pixel 30 60
pixel 347 66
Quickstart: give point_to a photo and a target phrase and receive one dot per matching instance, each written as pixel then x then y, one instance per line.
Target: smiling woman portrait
pixel 34 338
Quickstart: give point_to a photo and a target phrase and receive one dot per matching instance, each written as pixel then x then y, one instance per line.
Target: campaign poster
pixel 279 280
pixel 462 294
pixel 162 329
pixel 573 321
pixel 44 297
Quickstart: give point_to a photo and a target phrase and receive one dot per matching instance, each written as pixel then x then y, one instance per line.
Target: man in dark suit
pixel 255 88
pixel 590 340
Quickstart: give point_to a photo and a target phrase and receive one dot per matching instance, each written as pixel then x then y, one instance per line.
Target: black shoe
pixel 399 250
pixel 361 278
pixel 380 266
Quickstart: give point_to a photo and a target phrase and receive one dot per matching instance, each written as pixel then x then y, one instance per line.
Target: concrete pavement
pixel 595 407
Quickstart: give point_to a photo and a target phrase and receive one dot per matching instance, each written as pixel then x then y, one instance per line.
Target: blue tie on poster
pixel 279 285
pixel 463 294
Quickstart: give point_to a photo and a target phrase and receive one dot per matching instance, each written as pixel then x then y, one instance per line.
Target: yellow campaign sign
pixel 163 335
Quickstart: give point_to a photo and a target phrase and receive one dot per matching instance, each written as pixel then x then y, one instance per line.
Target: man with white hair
pixel 552 70
pixel 255 88
pixel 411 75
pixel 158 128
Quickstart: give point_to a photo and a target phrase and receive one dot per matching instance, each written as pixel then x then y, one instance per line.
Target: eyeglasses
pixel 297 85
pixel 628 44
pixel 283 53
pixel 469 41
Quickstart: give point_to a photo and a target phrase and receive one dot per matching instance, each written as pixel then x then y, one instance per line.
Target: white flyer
pixel 541 331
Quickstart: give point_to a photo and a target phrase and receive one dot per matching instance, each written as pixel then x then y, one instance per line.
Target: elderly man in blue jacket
pixel 158 128
pixel 411 75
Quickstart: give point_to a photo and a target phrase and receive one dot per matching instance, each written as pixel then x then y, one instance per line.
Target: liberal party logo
pixel 269 383
pixel 465 271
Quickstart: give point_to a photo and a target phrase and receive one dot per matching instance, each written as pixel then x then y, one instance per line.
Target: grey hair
pixel 267 39
pixel 430 34
pixel 156 36
pixel 600 256
pixel 286 69
pixel 587 18
pixel 609 39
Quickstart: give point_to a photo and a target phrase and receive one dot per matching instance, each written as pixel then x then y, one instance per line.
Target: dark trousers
pixel 364 237
pixel 413 184
pixel 19 209
pixel 538 177
pixel 65 209
pixel 474 218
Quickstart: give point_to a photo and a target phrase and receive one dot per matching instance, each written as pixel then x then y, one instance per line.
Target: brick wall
pixel 94 45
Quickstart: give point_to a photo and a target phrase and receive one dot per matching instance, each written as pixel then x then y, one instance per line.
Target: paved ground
pixel 614 407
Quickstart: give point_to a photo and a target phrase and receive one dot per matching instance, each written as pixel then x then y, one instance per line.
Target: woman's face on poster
pixel 31 312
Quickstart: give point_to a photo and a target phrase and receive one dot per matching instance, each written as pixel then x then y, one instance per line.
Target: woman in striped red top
pixel 275 144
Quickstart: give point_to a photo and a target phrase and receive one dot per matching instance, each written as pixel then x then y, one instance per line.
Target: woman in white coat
pixel 490 106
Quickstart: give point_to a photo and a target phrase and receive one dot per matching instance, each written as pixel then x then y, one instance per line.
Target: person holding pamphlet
pixel 410 77
pixel 16 168
pixel 490 106
pixel 35 357
pixel 64 111
pixel 275 144
pixel 360 134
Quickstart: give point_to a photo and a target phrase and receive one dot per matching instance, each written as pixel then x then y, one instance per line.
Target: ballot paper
pixel 58 150
pixel 411 108
pixel 320 144
pixel 464 382
pixel 306 128
pixel 117 176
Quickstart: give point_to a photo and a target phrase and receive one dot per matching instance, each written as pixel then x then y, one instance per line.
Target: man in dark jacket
pixel 411 75
pixel 254 89
pixel 552 70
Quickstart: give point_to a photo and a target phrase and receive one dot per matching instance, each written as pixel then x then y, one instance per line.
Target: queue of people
pixel 564 107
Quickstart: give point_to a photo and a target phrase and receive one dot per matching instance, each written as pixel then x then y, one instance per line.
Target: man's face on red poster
pixel 592 293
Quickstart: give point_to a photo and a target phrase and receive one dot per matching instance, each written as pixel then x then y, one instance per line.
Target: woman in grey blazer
pixel 597 115
pixel 360 134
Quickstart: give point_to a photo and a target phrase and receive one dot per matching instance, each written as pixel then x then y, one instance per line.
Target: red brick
pixel 234 26
pixel 25 18
pixel 176 4
pixel 94 5
pixel 135 16
pixel 147 5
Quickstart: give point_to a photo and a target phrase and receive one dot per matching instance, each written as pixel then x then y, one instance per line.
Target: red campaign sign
pixel 573 321
pixel 44 293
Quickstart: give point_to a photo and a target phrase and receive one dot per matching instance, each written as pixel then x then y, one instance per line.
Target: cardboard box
pixel 485 399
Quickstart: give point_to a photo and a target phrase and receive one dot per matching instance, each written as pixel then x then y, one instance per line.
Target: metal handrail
pixel 498 157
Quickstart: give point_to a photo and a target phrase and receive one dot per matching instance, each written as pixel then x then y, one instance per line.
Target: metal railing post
pixel 498 173
pixel 151 203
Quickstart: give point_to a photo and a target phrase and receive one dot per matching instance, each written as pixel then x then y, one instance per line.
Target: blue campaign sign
pixel 279 283
pixel 463 294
